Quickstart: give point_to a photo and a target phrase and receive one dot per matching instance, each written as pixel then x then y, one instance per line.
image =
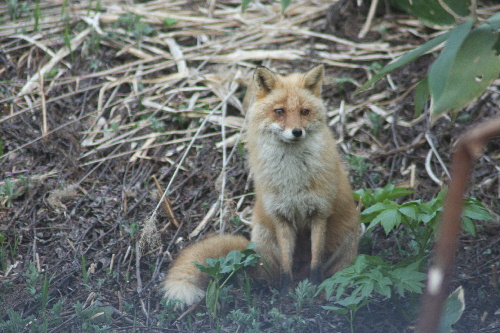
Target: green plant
pixel 3 250
pixel 235 220
pixel 3 256
pixel 131 229
pixel 303 294
pixel 37 14
pixel 468 63
pixel 38 285
pixel 65 16
pixel 358 166
pixel 366 276
pixel 377 122
pixel 94 42
pixel 168 22
pixel 247 320
pixel 169 313
pixel 93 318
pixel 134 25
pixel 222 269
pixel 454 307
pixel 9 190
pixel 97 7
pixel 420 218
pixel 284 323
pixel 52 72
pixel 16 9
pixel 370 197
pixel 157 125
pixel 15 322
pixel 33 278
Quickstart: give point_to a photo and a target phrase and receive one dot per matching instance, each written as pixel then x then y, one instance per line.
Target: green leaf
pixel 409 210
pixel 336 309
pixel 454 306
pixel 421 96
pixel 285 4
pixel 378 207
pixel 168 22
pixel 389 219
pixel 408 278
pixel 245 4
pixel 405 59
pixel 475 210
pixel 469 226
pixel 432 13
pixel 466 67
pixel 211 298
pixel 441 67
pixel 494 21
pixel 360 264
pixel 232 262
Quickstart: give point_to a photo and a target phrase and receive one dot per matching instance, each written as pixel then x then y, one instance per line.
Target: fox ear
pixel 264 80
pixel 313 80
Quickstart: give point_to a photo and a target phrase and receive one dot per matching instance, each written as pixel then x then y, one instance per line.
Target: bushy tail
pixel 184 281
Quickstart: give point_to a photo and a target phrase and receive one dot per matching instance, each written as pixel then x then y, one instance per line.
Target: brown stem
pixel 469 148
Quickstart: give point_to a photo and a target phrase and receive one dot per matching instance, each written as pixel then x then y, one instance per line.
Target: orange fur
pixel 304 220
pixel 184 281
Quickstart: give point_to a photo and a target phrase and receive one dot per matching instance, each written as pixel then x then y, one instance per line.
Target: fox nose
pixel 297 132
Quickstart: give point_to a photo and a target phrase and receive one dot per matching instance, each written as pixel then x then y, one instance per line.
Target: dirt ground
pixel 78 154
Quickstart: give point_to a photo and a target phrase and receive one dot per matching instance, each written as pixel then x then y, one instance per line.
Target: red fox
pixel 304 222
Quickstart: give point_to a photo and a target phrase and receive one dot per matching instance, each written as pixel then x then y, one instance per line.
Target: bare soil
pixel 78 209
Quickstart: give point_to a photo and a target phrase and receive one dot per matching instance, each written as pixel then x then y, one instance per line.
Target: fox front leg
pixel 318 239
pixel 286 235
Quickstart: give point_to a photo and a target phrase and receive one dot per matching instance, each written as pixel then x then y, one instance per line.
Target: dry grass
pixel 122 77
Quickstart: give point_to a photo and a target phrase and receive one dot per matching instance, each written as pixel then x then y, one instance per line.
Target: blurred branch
pixel 469 148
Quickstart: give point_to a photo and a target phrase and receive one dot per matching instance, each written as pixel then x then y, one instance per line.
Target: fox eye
pixel 304 112
pixel 279 112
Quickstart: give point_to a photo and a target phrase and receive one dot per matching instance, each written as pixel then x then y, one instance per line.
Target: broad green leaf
pixel 251 260
pixel 231 262
pixel 475 210
pixel 385 289
pixel 405 59
pixel 421 96
pixel 468 226
pixel 380 207
pixel 441 67
pixel 454 306
pixel 408 210
pixel 431 12
pixel 389 219
pixel 466 67
pixel 211 298
pixel 360 264
pixel 336 309
pixel 390 192
pixel 408 278
pixel 494 21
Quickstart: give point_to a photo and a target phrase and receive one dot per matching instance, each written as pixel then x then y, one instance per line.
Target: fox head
pixel 288 106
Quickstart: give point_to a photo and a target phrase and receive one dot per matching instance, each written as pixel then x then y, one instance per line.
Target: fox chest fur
pixel 295 181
